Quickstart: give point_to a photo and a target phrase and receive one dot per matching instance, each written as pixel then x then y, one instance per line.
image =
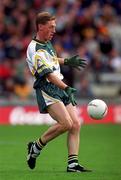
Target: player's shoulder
pixel 31 46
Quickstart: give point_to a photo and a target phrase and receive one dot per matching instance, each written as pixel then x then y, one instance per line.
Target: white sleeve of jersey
pixel 40 64
pixel 39 60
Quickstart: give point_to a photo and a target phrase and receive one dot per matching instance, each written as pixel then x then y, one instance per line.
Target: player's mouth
pixel 51 35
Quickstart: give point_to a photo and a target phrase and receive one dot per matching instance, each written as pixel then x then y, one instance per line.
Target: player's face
pixel 48 30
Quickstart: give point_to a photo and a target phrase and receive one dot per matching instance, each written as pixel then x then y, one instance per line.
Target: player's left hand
pixel 70 92
pixel 76 62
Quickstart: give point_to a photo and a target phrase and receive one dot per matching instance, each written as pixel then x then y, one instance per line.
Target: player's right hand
pixel 70 92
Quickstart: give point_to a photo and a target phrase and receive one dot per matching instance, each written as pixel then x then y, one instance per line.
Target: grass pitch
pixel 100 150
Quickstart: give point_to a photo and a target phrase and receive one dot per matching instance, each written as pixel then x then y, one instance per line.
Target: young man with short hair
pixel 53 95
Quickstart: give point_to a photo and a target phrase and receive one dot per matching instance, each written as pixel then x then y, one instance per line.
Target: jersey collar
pixel 40 42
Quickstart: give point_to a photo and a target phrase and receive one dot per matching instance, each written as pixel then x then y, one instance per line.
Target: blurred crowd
pixel 91 28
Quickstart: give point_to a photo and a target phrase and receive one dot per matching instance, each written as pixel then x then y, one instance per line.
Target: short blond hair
pixel 43 18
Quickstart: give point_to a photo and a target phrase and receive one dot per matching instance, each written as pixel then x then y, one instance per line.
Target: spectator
pixel 115 60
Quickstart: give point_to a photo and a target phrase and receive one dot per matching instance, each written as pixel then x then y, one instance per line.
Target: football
pixel 97 109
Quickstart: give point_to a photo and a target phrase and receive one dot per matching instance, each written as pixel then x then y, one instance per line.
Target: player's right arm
pixel 40 65
pixel 69 90
pixel 55 80
pixel 43 68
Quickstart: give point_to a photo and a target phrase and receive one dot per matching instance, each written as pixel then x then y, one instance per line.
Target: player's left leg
pixel 73 141
pixel 58 112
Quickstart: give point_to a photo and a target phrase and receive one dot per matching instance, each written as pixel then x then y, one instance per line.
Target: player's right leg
pixel 58 112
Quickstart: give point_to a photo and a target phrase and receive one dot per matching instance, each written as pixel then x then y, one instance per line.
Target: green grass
pixel 100 150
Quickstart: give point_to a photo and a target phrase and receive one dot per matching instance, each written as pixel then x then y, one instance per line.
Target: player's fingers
pixel 82 61
pixel 76 56
pixel 74 103
pixel 78 67
pixel 74 90
pixel 83 64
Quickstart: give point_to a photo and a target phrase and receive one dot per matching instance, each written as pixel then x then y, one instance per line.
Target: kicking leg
pixel 64 123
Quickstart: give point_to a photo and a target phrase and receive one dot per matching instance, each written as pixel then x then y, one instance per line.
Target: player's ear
pixel 40 27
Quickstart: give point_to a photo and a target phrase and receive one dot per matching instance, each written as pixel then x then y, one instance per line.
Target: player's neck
pixel 40 39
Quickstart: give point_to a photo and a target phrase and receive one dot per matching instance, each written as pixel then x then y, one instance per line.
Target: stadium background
pixel 93 30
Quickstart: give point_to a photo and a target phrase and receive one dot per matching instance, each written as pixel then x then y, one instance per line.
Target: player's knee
pixel 76 125
pixel 67 125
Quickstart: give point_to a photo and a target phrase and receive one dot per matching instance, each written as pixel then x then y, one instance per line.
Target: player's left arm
pixel 61 60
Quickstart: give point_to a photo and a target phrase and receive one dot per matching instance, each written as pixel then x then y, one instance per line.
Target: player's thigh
pixel 59 113
pixel 74 115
